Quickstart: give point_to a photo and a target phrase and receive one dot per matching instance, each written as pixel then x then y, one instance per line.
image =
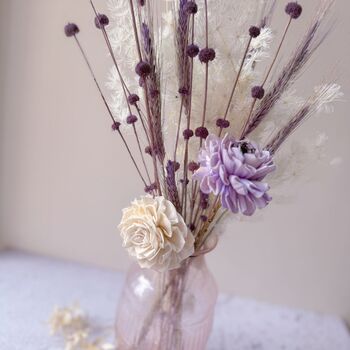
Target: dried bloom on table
pixel 235 171
pixel 155 233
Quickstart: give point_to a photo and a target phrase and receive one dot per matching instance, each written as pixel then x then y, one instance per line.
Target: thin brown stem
pixel 178 128
pixel 135 29
pixel 141 153
pixel 108 108
pixel 247 122
pixel 235 84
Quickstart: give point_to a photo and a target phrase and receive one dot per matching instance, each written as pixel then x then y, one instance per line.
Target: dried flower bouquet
pixel 198 87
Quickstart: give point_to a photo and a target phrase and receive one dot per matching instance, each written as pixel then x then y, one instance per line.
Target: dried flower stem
pixel 178 128
pixel 145 89
pixel 108 108
pixel 141 153
pixel 185 166
pixel 236 81
pixel 247 122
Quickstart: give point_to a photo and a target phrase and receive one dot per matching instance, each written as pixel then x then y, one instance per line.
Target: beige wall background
pixel 64 177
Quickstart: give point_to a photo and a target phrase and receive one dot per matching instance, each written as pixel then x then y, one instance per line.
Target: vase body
pixel 173 310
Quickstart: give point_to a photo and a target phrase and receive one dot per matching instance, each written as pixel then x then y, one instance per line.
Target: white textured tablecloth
pixel 30 286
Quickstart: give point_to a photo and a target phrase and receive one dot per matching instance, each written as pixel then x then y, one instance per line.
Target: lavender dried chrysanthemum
pixel 235 172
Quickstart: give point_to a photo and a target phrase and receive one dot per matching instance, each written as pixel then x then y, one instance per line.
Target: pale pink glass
pixel 166 311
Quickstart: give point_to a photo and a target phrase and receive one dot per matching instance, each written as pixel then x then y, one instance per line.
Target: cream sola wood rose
pixel 155 233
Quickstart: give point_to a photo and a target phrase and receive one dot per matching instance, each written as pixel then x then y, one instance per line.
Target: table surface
pixel 30 287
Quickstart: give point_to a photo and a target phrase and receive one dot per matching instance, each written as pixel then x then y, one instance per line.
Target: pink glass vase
pixel 167 311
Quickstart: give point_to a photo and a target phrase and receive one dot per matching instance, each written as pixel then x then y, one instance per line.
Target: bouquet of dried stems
pixel 201 90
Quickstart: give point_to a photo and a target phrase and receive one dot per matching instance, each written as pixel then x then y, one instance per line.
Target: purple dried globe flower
pixel 294 10
pixel 204 200
pixel 142 2
pixel 204 218
pixel 191 8
pixel 202 132
pixel 222 123
pixel 71 29
pixel 254 31
pixel 206 55
pixel 143 69
pixel 115 126
pixel 150 188
pixel 192 50
pixel 176 165
pixel 148 150
pixel 192 227
pixel 258 92
pixel 187 134
pixel 131 119
pixel 193 166
pixel 101 21
pixel 133 99
pixel 234 175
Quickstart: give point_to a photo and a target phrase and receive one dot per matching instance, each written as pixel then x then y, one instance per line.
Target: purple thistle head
pixel 235 170
pixel 115 126
pixel 191 8
pixel 202 132
pixel 187 134
pixel 131 119
pixel 222 123
pixel 258 92
pixel 101 21
pixel 143 69
pixel 133 99
pixel 206 55
pixel 254 31
pixel 142 2
pixel 192 50
pixel 71 29
pixel 294 10
pixel 192 227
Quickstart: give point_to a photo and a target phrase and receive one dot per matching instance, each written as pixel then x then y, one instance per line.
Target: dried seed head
pixel 71 29
pixel 258 92
pixel 131 119
pixel 204 218
pixel 254 32
pixel 192 50
pixel 115 126
pixel 188 133
pixel 191 8
pixel 193 166
pixel 101 21
pixel 143 69
pixel 154 93
pixel 294 10
pixel 150 188
pixel 142 2
pixel 202 132
pixel 183 91
pixel 222 123
pixel 206 55
pixel 148 150
pixel 133 99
